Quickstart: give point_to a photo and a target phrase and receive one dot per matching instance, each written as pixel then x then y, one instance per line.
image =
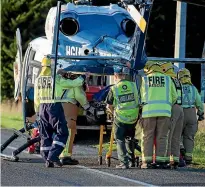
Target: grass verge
pixel 11 115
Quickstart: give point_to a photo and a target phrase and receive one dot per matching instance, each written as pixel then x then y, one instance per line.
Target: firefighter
pixel 122 100
pixel 190 100
pixel 51 115
pixel 75 97
pixel 158 94
pixel 177 117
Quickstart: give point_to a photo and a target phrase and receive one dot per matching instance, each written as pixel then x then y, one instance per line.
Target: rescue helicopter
pixel 84 38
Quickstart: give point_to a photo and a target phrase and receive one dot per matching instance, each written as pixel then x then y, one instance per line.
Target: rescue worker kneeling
pixel 75 97
pixel 190 100
pixel 122 100
pixel 158 94
pixel 177 118
pixel 51 115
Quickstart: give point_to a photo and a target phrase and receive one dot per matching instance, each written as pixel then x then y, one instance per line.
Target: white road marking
pixel 97 171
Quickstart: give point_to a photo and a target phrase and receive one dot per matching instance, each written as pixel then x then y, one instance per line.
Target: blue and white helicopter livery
pixel 85 38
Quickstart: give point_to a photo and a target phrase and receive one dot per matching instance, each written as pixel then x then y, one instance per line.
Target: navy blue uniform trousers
pixel 53 130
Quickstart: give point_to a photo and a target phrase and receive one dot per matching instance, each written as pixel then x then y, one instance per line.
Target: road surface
pixel 30 171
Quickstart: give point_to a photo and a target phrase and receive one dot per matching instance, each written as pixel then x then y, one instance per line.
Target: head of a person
pixel 46 67
pixel 184 76
pixel 120 72
pixel 168 69
pixel 152 67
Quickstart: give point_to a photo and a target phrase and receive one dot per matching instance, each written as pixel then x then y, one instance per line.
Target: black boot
pixel 69 161
pixel 51 164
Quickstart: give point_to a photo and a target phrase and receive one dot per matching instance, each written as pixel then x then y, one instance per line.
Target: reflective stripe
pixel 45 148
pixel 188 154
pixel 162 158
pixel 193 94
pixel 176 159
pixel 156 111
pixel 146 158
pixel 59 143
pixel 159 102
pixel 129 120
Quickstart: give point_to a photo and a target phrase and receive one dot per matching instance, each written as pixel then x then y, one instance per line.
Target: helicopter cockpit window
pixel 97 81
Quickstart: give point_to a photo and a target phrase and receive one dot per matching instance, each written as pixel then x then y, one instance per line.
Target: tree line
pixel 30 17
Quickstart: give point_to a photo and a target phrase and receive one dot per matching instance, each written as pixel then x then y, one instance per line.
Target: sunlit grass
pixel 11 115
pixel 199 147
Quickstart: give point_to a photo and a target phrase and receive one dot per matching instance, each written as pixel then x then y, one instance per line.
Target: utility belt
pixel 188 107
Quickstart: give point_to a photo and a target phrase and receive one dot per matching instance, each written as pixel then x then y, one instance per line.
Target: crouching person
pixel 74 97
pixel 122 100
pixel 51 115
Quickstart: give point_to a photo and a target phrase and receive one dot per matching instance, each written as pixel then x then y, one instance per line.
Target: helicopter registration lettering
pixel 72 51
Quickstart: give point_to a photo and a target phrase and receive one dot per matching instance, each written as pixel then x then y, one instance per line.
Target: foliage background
pixel 30 17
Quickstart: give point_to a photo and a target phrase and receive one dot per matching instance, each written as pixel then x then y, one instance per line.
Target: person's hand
pixel 128 64
pixel 87 74
pixel 61 72
pixel 201 118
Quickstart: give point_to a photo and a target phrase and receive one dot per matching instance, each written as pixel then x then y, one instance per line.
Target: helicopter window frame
pixel 32 64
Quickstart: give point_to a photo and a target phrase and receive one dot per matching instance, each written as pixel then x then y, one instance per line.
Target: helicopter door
pixel 18 66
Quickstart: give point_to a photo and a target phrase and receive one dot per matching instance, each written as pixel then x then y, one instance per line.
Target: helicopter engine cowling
pixel 128 26
pixel 69 26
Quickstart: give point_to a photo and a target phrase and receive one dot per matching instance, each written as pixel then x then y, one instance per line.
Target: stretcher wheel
pixel 100 160
pixel 108 161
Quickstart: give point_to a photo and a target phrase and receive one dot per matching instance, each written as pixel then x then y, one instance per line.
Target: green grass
pixel 8 121
pixel 199 148
pixel 11 116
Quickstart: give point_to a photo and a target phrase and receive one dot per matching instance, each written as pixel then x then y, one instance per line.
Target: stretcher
pixel 108 156
pixel 30 141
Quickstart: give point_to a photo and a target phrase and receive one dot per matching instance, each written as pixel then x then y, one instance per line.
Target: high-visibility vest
pixel 203 90
pixel 43 89
pixel 189 96
pixel 178 87
pixel 125 101
pixel 75 95
pixel 156 95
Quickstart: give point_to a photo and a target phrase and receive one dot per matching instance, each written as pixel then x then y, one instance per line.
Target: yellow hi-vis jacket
pixel 126 101
pixel 75 95
pixel 158 94
pixel 191 97
pixel 43 89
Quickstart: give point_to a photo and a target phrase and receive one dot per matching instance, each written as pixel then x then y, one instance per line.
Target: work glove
pixel 84 77
pixel 201 118
pixel 201 115
pixel 86 106
pixel 89 109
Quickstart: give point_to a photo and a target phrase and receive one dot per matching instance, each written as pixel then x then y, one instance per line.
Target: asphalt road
pixel 30 171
